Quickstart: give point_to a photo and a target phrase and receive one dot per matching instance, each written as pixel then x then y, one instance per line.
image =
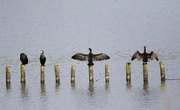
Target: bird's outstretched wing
pixel 80 56
pixel 137 55
pixel 152 56
pixel 99 57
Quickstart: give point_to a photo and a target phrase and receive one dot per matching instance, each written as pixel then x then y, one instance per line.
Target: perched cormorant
pixel 144 56
pixel 90 57
pixel 42 58
pixel 23 58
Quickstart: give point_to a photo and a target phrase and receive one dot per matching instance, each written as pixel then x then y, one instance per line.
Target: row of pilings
pixel 145 71
pixel 91 73
pixel 57 74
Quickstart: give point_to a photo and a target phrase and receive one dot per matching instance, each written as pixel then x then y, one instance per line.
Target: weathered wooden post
pixel 8 74
pixel 23 73
pixel 73 70
pixel 162 70
pixel 145 72
pixel 57 73
pixel 107 73
pixel 128 72
pixel 91 73
pixel 42 68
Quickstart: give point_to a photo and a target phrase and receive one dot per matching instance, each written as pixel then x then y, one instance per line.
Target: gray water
pixel 64 27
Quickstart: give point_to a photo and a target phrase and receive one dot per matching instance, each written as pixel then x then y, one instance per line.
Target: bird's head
pixel 42 51
pixel 90 49
pixel 144 49
pixel 22 54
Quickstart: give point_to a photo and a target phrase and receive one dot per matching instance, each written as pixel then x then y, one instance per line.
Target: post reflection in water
pixel 57 86
pixel 107 86
pixel 73 85
pixel 23 89
pixel 8 86
pixel 128 85
pixel 163 85
pixel 145 86
pixel 43 89
pixel 91 88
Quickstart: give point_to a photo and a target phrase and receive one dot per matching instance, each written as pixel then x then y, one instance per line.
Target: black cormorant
pixel 23 58
pixel 144 56
pixel 90 57
pixel 42 58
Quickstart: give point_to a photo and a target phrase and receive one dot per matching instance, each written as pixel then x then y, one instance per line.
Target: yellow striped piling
pixel 23 73
pixel 42 69
pixel 145 72
pixel 128 72
pixel 91 73
pixel 162 70
pixel 73 70
pixel 57 73
pixel 106 73
pixel 8 74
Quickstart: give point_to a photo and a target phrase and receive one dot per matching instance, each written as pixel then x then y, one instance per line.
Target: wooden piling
pixel 162 70
pixel 8 74
pixel 23 73
pixel 128 72
pixel 91 73
pixel 57 73
pixel 42 68
pixel 145 72
pixel 106 73
pixel 73 70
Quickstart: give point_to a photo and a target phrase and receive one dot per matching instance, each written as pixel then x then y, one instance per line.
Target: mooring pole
pixel 162 70
pixel 107 73
pixel 128 72
pixel 145 72
pixel 42 68
pixel 73 70
pixel 91 73
pixel 57 73
pixel 8 74
pixel 23 73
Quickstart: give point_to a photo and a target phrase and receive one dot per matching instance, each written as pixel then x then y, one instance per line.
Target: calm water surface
pixel 115 27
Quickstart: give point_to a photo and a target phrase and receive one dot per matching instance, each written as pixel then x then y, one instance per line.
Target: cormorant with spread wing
pixel 90 57
pixel 144 56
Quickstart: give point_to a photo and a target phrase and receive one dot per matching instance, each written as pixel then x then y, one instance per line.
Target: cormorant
pixel 42 58
pixel 90 57
pixel 23 58
pixel 144 56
